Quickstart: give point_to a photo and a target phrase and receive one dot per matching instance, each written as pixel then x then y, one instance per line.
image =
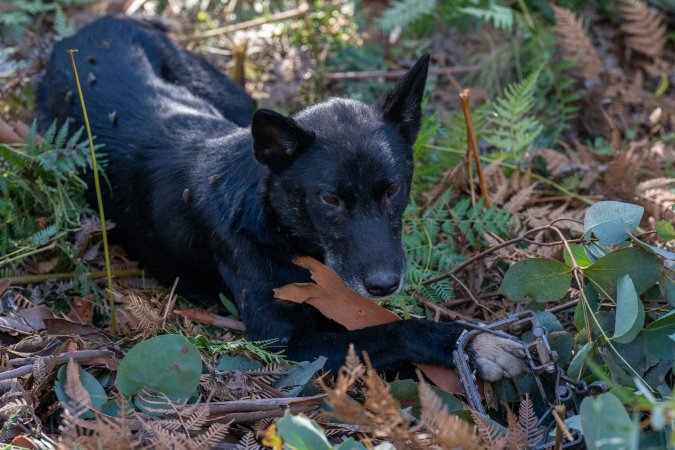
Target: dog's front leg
pixel 393 346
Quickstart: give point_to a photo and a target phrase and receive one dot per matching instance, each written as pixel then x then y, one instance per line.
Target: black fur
pixel 198 194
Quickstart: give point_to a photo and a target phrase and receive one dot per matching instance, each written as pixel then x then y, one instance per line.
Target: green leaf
pixel 665 230
pixel 89 382
pixel 609 221
pixel 659 339
pixel 229 305
pixel 579 256
pixel 642 267
pixel 299 375
pixel 350 444
pixel 605 423
pixel 630 312
pixel 168 364
pixel 543 280
pixel 577 365
pixel 301 433
pixel 667 285
pixel 579 314
pixel 239 362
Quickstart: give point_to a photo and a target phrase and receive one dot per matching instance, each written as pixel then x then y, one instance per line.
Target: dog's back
pixel 151 105
pixel 131 68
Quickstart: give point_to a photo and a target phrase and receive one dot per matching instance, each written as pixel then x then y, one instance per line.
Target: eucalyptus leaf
pixel 611 221
pixel 301 433
pixel 350 444
pixel 659 338
pixel 630 312
pixel 169 364
pixel 578 361
pixel 299 375
pixel 543 280
pixel 665 230
pixel 238 362
pixel 606 424
pixel 89 382
pixel 579 256
pixel 605 273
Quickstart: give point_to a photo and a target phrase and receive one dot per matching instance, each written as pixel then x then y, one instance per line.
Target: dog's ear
pixel 277 139
pixel 402 104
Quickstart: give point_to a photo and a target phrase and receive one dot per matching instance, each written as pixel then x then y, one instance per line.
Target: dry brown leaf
pixel 575 44
pixel 47 265
pixel 74 388
pixel 82 309
pixel 337 302
pixel 645 28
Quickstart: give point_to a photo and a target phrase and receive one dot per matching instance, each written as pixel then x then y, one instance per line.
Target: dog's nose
pixel 380 284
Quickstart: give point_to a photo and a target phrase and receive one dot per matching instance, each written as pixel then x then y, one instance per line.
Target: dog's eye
pixel 331 199
pixel 392 190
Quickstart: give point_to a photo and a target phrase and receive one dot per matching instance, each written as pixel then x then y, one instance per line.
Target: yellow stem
pixel 99 199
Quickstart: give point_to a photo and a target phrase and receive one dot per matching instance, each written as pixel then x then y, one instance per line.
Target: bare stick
pixel 393 74
pixel 201 316
pixel 31 279
pixel 79 355
pixel 286 15
pixel 473 146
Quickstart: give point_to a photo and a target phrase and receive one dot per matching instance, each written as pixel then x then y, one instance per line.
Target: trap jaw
pixel 543 367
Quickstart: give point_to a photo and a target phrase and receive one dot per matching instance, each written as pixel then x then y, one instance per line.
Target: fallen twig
pixel 473 146
pixel 393 74
pixel 201 316
pixel 291 14
pixel 79 355
pixel 31 279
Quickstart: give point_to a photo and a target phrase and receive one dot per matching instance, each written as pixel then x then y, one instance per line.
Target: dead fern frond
pixel 383 410
pixel 146 311
pixel 575 43
pixel 645 29
pixel 518 201
pixel 489 432
pixel 248 442
pixel 212 436
pixel 528 422
pixel 449 431
pixel 516 438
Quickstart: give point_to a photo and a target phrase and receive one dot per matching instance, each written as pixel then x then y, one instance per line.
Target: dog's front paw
pixel 495 358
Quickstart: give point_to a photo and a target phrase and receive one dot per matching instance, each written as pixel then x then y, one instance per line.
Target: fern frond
pixel 645 28
pixel 575 43
pixel 403 13
pixel 500 16
pixel 513 129
pixel 449 431
pixel 527 420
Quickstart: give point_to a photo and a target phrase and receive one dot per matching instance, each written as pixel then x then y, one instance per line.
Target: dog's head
pixel 340 175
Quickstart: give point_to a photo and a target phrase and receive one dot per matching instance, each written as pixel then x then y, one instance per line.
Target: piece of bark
pixel 339 303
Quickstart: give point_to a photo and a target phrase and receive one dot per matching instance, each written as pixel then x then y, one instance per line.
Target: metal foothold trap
pixel 554 387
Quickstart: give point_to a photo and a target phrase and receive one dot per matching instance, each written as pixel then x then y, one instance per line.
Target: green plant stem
pixel 12 257
pixel 99 199
pixel 31 279
pixel 540 178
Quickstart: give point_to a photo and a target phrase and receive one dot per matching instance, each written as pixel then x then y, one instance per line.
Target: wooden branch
pixel 473 146
pixel 286 15
pixel 30 279
pixel 334 76
pixel 79 355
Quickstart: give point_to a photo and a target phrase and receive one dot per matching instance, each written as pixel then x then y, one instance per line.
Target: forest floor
pixel 570 217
